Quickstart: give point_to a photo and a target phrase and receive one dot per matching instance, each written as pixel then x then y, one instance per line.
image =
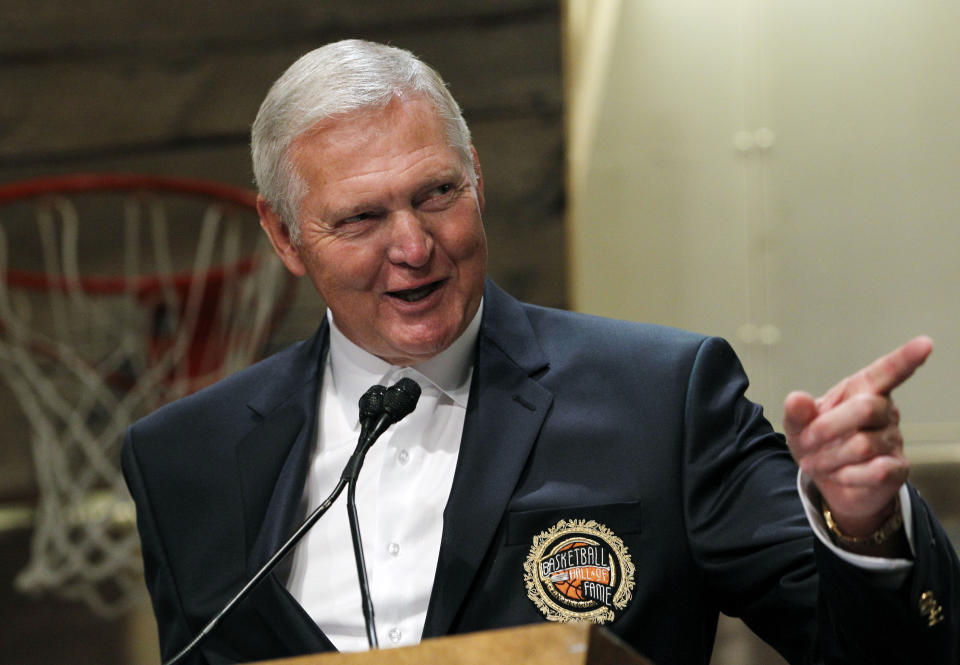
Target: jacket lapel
pixel 504 414
pixel 273 461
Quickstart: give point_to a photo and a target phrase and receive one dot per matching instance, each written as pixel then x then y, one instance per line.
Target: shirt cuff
pixel 896 569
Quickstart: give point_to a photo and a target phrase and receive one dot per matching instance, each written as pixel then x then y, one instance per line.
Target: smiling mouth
pixel 419 293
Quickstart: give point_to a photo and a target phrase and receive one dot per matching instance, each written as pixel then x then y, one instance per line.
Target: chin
pixel 412 353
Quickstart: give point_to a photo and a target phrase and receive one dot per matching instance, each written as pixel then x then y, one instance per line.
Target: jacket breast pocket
pixel 621 518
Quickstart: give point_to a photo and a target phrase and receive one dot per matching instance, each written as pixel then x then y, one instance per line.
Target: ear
pixel 479 172
pixel 279 236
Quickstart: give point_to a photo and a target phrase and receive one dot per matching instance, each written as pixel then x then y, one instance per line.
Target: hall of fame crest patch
pixel 579 570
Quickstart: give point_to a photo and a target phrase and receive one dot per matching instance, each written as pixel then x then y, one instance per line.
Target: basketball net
pixel 87 354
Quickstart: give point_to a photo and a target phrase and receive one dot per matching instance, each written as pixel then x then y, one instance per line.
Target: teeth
pixel 412 295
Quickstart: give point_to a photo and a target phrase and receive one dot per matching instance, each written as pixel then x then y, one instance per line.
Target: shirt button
pixel 394 549
pixel 403 456
pixel 395 635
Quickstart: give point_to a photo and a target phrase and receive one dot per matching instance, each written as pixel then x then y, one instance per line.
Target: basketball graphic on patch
pixel 579 570
pixel 566 584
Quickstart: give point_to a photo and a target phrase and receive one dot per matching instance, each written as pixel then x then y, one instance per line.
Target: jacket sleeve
pixel 744 519
pixel 750 535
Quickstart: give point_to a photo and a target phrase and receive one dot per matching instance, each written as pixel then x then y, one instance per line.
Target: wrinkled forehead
pixel 371 118
pixel 374 138
pixel 379 122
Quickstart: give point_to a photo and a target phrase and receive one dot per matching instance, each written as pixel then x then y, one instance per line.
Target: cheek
pixel 477 253
pixel 347 266
pixel 466 242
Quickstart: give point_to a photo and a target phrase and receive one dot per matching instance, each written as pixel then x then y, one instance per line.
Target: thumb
pixel 799 410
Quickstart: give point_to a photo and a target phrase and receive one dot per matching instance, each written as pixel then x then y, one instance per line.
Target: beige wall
pixel 782 174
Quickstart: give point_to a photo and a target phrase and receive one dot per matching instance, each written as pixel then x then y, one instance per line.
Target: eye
pixel 439 197
pixel 441 190
pixel 354 219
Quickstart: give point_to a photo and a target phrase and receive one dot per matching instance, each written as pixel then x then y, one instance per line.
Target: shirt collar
pixel 354 370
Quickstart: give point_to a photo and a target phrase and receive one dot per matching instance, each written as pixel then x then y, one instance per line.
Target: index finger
pixel 888 372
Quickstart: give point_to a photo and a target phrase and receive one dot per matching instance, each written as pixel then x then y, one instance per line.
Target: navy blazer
pixel 641 428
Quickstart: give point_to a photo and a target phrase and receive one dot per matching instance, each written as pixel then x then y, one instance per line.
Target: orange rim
pixel 104 182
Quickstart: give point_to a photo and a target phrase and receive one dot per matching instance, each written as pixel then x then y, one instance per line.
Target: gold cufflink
pixel 930 608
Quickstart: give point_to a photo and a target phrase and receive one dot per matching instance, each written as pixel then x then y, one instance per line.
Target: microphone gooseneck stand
pixel 366 603
pixel 379 408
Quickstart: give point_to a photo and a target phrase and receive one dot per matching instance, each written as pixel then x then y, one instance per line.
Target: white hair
pixel 338 79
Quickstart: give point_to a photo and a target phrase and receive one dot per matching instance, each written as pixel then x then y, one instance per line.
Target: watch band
pixel 893 524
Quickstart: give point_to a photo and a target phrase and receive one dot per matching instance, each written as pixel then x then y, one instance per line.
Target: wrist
pixel 869 534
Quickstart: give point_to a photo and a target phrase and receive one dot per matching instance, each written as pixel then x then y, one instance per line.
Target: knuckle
pixel 882 475
pixel 816 433
pixel 872 408
pixel 890 474
pixel 886 410
pixel 894 414
pixel 893 438
pixel 861 446
pixel 864 406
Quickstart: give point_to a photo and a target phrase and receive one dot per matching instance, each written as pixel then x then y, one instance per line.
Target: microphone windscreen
pixel 401 398
pixel 371 402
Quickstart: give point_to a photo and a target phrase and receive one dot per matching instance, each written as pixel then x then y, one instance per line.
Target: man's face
pixel 390 230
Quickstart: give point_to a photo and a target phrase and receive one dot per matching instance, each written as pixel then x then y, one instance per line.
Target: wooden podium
pixel 540 644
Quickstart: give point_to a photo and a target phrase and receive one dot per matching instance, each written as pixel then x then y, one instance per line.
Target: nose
pixel 411 243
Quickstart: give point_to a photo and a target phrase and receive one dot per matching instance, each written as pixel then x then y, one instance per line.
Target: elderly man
pixel 558 467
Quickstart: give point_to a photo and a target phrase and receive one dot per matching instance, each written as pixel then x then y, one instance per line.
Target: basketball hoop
pixel 119 293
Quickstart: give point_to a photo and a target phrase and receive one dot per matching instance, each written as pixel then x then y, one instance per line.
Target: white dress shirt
pixel 401 493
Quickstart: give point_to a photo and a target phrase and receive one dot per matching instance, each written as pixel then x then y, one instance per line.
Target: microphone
pixel 398 401
pixel 379 408
pixel 371 406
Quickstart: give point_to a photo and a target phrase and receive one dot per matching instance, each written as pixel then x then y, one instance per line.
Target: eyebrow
pixel 456 176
